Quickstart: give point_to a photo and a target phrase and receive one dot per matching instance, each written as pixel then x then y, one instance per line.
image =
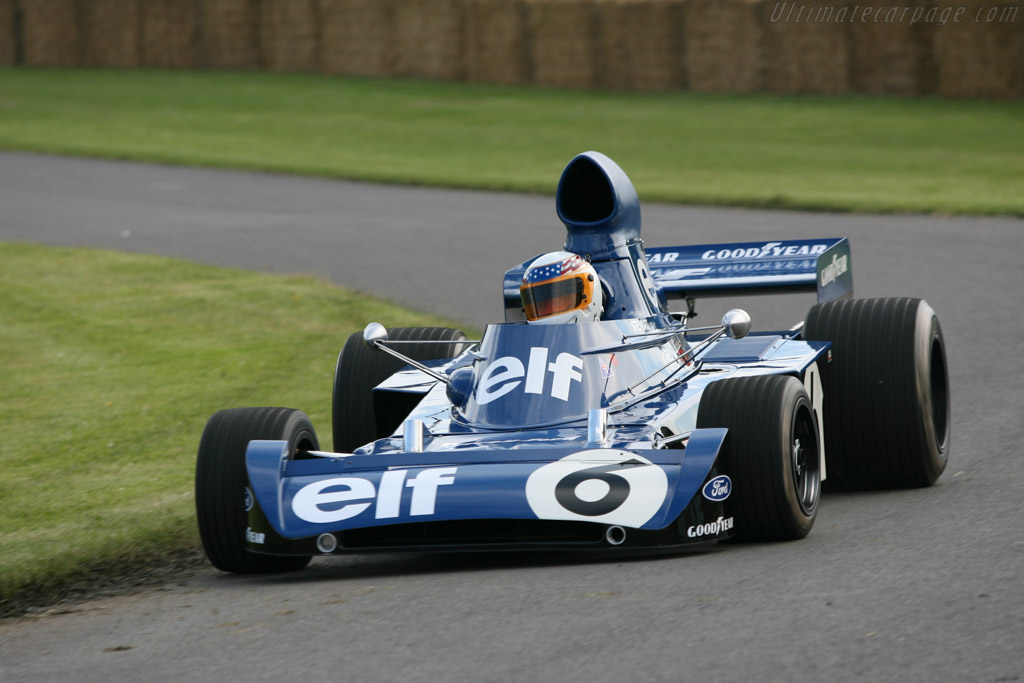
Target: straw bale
pixel 50 33
pixel 564 49
pixel 290 31
pixel 169 34
pixel 891 54
pixel 110 33
pixel 806 46
pixel 8 41
pixel 230 34
pixel 428 39
pixel 496 42
pixel 358 37
pixel 724 44
pixel 642 45
pixel 982 58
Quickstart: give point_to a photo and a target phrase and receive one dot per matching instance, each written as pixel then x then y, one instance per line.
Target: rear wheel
pixel 359 369
pixel 886 392
pixel 222 495
pixel 771 453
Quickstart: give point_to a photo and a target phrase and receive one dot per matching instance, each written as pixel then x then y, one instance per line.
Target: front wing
pixel 487 499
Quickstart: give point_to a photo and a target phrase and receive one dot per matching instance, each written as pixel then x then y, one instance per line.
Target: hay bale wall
pixel 428 39
pixel 877 47
pixel 806 49
pixel 563 45
pixel 170 38
pixel 290 35
pixel 725 45
pixel 50 33
pixel 110 33
pixel 229 31
pixel 496 42
pixel 358 37
pixel 983 59
pixel 8 38
pixel 641 42
pixel 892 55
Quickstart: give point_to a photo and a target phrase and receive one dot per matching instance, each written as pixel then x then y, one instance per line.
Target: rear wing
pixel 821 266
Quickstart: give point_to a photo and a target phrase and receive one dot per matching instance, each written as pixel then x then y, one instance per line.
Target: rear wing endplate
pixel 821 266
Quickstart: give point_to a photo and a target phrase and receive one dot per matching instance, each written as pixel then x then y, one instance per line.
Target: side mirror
pixel 374 333
pixel 736 323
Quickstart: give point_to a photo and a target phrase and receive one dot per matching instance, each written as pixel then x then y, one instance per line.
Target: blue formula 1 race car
pixel 593 417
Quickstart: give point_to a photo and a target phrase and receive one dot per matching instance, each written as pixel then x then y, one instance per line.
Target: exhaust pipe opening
pixel 615 535
pixel 326 543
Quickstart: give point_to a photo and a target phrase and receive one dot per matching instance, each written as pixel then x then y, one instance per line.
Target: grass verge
pixel 802 152
pixel 112 364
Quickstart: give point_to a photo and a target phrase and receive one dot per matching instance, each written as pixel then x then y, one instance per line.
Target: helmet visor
pixel 554 296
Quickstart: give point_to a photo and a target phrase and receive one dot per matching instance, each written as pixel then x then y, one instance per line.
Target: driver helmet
pixel 561 287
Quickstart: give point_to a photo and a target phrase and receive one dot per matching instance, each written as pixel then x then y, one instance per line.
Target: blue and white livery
pixel 637 430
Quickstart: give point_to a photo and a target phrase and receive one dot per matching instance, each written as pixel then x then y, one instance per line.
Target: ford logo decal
pixel 718 489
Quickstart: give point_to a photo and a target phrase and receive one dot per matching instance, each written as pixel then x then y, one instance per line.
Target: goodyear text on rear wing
pixel 818 265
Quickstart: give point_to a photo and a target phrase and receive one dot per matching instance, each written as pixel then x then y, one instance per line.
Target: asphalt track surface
pixel 919 585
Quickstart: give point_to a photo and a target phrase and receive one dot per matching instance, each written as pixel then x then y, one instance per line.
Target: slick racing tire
pixel 771 453
pixel 886 393
pixel 222 495
pixel 360 369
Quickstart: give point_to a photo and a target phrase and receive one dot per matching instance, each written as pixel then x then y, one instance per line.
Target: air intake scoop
pixel 599 206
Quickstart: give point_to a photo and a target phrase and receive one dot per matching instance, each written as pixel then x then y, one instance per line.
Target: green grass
pixel 807 152
pixel 111 365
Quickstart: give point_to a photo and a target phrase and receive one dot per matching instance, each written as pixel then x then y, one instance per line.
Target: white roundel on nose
pixel 603 485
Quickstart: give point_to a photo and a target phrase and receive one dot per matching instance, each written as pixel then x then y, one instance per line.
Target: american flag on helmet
pixel 553 270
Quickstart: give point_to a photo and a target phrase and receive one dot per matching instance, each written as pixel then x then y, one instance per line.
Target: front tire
pixel 886 392
pixel 771 453
pixel 359 369
pixel 221 483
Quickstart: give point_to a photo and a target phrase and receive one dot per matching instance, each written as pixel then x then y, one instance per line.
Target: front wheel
pixel 771 453
pixel 222 495
pixel 355 419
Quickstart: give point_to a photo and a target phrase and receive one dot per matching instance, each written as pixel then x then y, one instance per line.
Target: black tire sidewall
pixel 221 482
pixel 360 369
pixel 792 405
pixel 796 408
pixel 933 420
pixel 886 392
pixel 761 414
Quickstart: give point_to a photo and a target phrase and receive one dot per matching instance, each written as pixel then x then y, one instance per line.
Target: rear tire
pixel 771 453
pixel 360 369
pixel 221 483
pixel 886 392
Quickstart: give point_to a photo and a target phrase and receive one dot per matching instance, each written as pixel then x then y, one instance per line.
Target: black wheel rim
pixel 805 461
